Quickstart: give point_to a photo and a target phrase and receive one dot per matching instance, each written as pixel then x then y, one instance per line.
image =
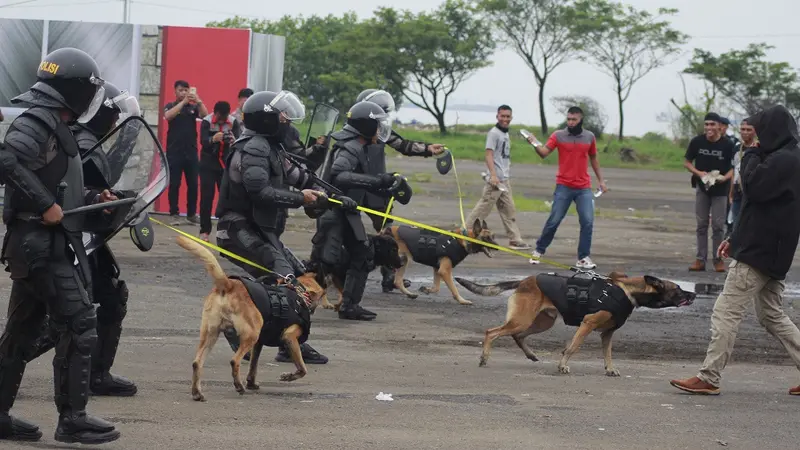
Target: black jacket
pixel 767 234
pixel 212 154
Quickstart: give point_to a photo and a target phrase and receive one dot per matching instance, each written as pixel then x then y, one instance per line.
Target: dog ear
pixel 654 282
pixel 484 225
pixel 476 227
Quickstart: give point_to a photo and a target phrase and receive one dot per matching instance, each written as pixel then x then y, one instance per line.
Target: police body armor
pixel 233 196
pixel 577 296
pixel 86 140
pixel 280 307
pixel 372 161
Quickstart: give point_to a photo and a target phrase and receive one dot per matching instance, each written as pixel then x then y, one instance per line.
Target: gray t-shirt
pixel 500 144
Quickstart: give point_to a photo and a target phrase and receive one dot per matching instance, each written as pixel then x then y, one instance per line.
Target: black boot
pixel 103 382
pixel 310 356
pixel 71 376
pixel 13 428
pixel 233 341
pixel 387 283
pixel 354 285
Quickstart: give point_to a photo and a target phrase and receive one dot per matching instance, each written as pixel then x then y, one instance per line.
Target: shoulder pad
pixel 256 146
pixel 85 139
pixel 31 130
pixel 343 135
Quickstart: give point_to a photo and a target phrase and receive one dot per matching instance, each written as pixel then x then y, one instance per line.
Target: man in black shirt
pixel 182 115
pixel 710 152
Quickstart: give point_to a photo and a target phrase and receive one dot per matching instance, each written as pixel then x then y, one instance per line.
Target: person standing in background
pixel 708 152
pixel 497 190
pixel 577 149
pixel 182 115
pixel 244 94
pixel 748 134
pixel 218 131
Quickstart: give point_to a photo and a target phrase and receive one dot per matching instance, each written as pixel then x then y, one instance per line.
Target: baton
pixel 85 209
pixel 311 174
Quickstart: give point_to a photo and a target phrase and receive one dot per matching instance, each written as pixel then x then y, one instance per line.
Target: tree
pixel 330 59
pixel 595 118
pixel 688 122
pixel 440 50
pixel 747 80
pixel 625 43
pixel 539 32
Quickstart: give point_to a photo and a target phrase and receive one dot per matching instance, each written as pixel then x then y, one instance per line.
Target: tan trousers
pixel 492 196
pixel 744 286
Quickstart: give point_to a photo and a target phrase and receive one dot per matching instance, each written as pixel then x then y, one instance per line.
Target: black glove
pixel 387 179
pixel 348 204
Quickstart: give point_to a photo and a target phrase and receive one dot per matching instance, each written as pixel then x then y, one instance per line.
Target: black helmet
pixel 67 78
pixel 108 114
pixel 379 97
pixel 368 120
pixel 263 111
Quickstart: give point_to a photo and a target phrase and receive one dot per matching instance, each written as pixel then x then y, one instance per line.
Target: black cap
pixel 724 121
pixel 714 117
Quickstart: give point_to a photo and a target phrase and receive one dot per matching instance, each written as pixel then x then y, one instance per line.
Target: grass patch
pixel 469 141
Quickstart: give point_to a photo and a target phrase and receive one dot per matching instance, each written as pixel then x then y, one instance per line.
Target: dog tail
pixel 488 289
pixel 221 280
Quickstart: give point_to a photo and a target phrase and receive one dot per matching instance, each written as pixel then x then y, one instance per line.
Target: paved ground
pixel 425 351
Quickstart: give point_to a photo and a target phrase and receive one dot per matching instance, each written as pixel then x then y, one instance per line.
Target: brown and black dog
pixel 229 304
pixel 539 300
pixel 442 253
pixel 385 253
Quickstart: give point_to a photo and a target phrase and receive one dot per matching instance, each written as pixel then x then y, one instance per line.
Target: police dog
pixel 229 304
pixel 439 255
pixel 385 254
pixel 539 300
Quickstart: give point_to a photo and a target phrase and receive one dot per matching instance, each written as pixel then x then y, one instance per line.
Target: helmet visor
pixel 94 106
pixel 289 105
pixel 127 105
pixel 384 128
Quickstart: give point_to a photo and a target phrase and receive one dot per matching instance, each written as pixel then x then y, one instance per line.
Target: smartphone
pixel 193 90
pixel 526 134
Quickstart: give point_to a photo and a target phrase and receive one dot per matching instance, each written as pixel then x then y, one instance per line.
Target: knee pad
pixel 84 327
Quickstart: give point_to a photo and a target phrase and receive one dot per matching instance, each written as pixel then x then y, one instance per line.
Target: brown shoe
pixel 719 266
pixel 698 266
pixel 695 386
pixel 794 391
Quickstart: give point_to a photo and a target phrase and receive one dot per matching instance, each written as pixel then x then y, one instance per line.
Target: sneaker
pixel 194 220
pixel 535 257
pixel 695 385
pixel 518 245
pixel 204 236
pixel 175 220
pixel 794 391
pixel 586 264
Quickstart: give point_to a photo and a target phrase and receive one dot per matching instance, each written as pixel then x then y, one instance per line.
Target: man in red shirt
pixel 576 148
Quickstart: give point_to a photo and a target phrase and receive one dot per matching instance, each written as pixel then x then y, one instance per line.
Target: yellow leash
pixel 219 249
pixel 388 211
pixel 460 196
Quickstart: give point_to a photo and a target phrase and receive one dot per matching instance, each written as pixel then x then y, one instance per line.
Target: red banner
pixel 216 62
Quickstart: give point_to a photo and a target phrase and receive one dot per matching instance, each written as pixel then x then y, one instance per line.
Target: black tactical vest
pixel 63 165
pixel 575 297
pixel 233 196
pixel 371 161
pixel 428 247
pixel 280 307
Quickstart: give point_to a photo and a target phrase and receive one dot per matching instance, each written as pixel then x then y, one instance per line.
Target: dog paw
pixel 198 397
pixel 328 306
pixel 462 301
pixel 482 362
pixel 412 296
pixel 253 386
pixel 563 369
pixel 426 290
pixel 288 376
pixel 612 372
pixel 239 388
pixel 533 358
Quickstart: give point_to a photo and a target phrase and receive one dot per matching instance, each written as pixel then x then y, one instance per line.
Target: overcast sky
pixel 715 26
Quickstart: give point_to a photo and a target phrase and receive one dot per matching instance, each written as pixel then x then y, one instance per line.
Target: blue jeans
pixel 562 199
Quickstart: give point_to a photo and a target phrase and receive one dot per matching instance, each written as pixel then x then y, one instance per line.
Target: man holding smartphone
pixel 182 115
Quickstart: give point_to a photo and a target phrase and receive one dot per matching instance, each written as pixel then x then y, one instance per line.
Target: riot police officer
pixel 107 289
pixel 357 166
pixel 40 164
pixel 404 146
pixel 255 196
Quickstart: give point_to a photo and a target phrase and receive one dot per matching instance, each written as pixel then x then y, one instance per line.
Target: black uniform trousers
pixel 183 162
pixel 210 183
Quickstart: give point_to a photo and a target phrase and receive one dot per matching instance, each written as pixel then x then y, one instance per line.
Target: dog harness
pixel 577 296
pixel 280 307
pixel 428 247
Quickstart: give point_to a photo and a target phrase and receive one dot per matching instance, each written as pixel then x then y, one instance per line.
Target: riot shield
pixel 322 122
pixel 137 168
